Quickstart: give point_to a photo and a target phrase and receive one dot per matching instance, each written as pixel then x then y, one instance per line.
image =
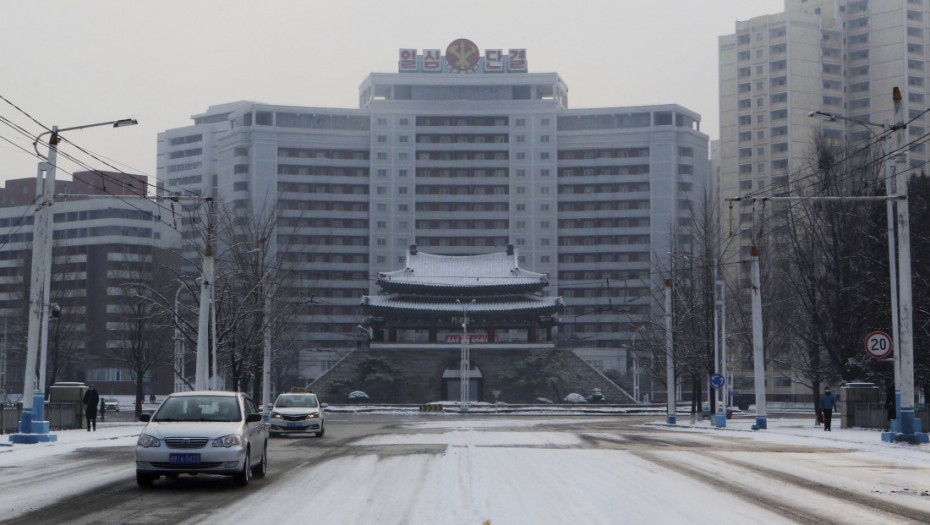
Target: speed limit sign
pixel 878 344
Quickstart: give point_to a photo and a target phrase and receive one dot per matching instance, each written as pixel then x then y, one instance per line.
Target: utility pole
pixel 907 425
pixel 32 428
pixel 758 345
pixel 464 365
pixel 203 322
pixel 723 352
pixel 669 354
pixel 720 420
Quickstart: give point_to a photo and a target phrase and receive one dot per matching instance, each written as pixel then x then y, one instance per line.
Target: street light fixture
pixel 32 427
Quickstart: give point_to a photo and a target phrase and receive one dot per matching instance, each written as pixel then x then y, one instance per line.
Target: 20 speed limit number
pixel 878 344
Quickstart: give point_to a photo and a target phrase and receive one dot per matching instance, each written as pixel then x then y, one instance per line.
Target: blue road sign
pixel 716 381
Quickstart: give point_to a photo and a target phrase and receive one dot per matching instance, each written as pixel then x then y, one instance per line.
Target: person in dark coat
pixel 91 398
pixel 103 410
pixel 827 406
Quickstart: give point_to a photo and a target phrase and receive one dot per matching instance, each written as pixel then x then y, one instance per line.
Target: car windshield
pixel 305 401
pixel 199 408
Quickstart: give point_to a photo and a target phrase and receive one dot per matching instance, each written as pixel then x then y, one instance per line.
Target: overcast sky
pixel 70 63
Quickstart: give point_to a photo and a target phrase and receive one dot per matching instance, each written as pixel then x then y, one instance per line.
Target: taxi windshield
pixel 300 401
pixel 199 408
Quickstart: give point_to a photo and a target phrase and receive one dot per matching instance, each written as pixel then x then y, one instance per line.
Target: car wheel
pixel 242 478
pixel 173 475
pixel 262 468
pixel 144 479
pixel 321 432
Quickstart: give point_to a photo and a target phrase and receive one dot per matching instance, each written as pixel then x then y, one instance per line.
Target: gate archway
pixel 451 382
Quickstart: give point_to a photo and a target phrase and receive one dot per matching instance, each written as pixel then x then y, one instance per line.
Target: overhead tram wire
pixel 46 128
pixel 872 141
pixel 881 159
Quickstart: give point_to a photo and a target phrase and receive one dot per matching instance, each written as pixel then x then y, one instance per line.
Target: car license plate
pixel 184 459
pixel 292 424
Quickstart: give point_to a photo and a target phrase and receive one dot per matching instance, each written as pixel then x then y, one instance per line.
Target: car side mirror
pixel 324 405
pixel 145 418
pixel 253 418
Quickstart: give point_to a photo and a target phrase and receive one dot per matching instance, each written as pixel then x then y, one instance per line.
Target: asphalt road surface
pixel 700 458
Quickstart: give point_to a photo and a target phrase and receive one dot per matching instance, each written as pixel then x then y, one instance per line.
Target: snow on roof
pixel 491 269
pixel 518 302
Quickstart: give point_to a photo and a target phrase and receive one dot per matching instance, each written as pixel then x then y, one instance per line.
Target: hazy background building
pixel 457 162
pixel 100 244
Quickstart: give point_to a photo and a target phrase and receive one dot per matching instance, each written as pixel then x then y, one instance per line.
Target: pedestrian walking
pixel 827 406
pixel 103 409
pixel 91 398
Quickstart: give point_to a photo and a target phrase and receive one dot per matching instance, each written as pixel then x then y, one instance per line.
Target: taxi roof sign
pixel 298 390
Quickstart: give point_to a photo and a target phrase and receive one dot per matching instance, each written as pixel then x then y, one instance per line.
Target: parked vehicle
pixel 203 432
pixel 111 404
pixel 298 412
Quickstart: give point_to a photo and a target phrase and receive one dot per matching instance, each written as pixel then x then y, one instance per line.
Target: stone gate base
pixel 413 374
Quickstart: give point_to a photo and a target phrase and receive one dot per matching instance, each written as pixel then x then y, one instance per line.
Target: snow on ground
pixel 484 469
pixel 22 465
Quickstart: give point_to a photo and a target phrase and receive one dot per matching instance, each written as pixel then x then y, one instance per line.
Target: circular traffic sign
pixel 716 381
pixel 878 344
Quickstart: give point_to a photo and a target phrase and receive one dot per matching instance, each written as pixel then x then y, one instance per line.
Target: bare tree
pixel 144 326
pixel 831 254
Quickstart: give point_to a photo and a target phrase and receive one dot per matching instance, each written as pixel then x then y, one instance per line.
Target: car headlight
pixel 312 415
pixel 275 415
pixel 227 441
pixel 147 441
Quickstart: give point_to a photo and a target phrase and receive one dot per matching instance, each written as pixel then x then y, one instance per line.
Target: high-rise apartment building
pixel 842 57
pixel 459 153
pixel 838 56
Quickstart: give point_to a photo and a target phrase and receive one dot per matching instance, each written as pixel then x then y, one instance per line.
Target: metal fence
pixel 875 415
pixel 60 416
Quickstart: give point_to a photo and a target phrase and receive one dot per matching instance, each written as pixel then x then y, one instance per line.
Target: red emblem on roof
pixel 462 55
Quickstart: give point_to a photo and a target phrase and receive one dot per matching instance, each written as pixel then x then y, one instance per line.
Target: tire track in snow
pixel 866 501
pixel 750 494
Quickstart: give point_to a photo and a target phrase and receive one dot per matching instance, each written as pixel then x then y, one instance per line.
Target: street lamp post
pixel 32 428
pixel 178 347
pixel 669 355
pixel 464 364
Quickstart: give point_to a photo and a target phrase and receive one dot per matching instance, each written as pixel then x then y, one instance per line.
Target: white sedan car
pixel 298 412
pixel 208 432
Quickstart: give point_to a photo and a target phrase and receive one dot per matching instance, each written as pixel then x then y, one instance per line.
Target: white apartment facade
pixel 839 56
pixel 458 159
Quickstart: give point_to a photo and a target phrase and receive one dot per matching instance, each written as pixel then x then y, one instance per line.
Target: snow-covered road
pixel 518 470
